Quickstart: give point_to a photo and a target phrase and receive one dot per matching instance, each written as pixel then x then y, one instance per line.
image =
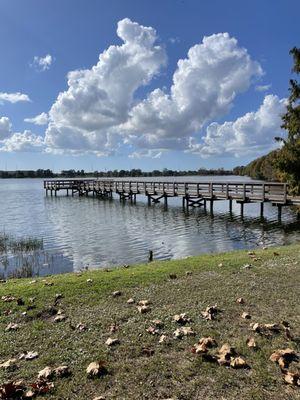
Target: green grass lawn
pixel 140 367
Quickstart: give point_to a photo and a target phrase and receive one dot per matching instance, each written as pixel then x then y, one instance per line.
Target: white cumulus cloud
pixel 205 85
pixel 13 97
pixel 87 116
pixel 23 142
pixel 11 141
pixel 41 119
pixel 98 112
pixel 42 63
pixel 253 133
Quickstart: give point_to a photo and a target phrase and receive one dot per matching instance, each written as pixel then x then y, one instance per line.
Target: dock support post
pixel 183 202
pixel 187 202
pixel 67 192
pixel 262 209
pixel 230 206
pixel 51 192
pixel 72 193
pixel 242 209
pixel 279 211
pixel 149 200
pixel 46 192
pixel 55 192
pixel 204 204
pixel 166 201
pixel 211 206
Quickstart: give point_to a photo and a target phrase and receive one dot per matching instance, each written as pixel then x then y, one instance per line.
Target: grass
pixel 270 289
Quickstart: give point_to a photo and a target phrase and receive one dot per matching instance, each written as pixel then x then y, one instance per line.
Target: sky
pixel 150 84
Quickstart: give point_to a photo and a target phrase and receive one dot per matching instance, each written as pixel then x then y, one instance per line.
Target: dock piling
pixel 262 209
pixel 279 207
pixel 211 206
pixel 242 209
pixel 166 201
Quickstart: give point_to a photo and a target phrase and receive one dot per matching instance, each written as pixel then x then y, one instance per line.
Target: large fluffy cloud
pixel 253 133
pixel 204 87
pixel 99 113
pixel 87 116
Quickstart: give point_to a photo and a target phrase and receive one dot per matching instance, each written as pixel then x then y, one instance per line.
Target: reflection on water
pixel 88 232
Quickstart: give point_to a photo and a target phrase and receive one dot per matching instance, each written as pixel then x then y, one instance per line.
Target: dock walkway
pixel 193 194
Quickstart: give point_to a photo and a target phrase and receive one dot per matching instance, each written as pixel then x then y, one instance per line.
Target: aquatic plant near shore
pixel 12 244
pixel 12 248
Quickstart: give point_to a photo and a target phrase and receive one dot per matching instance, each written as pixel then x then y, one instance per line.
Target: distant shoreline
pixel 133 173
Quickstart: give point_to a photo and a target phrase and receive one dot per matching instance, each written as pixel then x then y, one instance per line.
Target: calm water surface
pixel 88 232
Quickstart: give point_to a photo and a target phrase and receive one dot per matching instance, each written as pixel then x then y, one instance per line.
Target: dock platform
pixel 193 194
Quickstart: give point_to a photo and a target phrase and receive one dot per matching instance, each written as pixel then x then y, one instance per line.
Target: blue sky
pixel 203 120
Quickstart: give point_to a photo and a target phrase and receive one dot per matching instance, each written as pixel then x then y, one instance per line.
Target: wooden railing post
pixel 285 193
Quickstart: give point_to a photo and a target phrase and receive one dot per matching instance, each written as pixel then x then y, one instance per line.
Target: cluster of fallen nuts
pixel 226 356
pixel 210 312
pixel 284 358
pixel 42 385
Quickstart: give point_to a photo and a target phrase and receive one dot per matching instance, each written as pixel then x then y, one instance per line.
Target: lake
pixel 85 232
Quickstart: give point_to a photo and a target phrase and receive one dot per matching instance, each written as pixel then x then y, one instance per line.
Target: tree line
pixel 260 168
pixel 72 173
pixel 39 173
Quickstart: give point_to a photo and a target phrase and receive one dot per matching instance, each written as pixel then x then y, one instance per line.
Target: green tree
pixel 288 158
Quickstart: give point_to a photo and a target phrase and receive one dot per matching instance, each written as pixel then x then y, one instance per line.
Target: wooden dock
pixel 193 194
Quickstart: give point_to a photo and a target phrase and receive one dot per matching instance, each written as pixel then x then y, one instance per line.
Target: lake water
pixel 90 232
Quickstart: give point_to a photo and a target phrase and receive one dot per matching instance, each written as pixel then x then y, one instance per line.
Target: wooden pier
pixel 193 194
